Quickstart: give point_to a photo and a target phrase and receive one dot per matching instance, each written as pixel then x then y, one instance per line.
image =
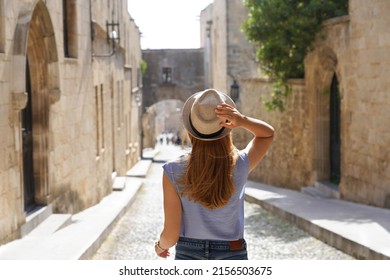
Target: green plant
pixel 283 32
pixel 144 66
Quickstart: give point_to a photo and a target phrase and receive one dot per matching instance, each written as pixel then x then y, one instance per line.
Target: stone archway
pixel 335 132
pixel 34 42
pixel 162 117
pixel 321 70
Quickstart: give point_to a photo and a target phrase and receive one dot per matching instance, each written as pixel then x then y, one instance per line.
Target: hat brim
pixel 186 116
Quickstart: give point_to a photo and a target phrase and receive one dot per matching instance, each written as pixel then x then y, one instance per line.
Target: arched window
pixel 2 27
pixel 334 132
pixel 70 28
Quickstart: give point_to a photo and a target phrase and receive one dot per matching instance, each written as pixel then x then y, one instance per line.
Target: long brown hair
pixel 208 179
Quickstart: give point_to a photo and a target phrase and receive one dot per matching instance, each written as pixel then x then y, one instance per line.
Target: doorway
pixel 334 132
pixel 27 144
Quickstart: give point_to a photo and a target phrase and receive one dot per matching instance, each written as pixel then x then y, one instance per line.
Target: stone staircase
pixel 322 190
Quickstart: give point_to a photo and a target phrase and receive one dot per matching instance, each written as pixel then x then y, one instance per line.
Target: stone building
pixel 172 75
pixel 228 56
pixel 334 134
pixel 70 93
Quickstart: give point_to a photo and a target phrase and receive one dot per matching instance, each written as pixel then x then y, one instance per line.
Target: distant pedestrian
pixel 204 189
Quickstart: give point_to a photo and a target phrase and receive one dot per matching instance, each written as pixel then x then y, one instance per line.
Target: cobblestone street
pixel 268 236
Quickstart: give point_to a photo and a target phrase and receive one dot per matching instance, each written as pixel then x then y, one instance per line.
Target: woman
pixel 204 190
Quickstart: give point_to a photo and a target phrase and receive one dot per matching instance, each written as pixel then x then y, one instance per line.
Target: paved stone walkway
pixel 268 236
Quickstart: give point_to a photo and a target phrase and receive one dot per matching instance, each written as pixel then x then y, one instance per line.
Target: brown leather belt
pixel 234 245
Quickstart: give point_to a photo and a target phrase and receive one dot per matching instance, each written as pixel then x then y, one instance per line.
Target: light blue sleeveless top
pixel 226 223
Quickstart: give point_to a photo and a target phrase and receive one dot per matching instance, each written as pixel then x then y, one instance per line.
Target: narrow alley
pixel 268 236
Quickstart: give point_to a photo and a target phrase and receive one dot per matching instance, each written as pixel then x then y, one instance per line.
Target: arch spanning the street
pixel 35 86
pixel 162 117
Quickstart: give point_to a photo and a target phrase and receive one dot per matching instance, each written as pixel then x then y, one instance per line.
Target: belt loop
pixel 207 249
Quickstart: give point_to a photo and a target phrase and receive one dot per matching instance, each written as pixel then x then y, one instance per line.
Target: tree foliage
pixel 283 32
pixel 144 66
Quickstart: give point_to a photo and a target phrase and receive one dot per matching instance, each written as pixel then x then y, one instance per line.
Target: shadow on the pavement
pixel 264 224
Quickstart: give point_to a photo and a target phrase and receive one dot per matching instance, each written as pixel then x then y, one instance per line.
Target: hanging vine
pixel 283 32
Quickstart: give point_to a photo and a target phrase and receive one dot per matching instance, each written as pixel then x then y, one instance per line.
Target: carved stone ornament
pixel 19 100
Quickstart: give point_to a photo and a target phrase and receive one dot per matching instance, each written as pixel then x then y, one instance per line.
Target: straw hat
pixel 199 116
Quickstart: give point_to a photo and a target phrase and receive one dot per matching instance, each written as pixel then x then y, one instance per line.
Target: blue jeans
pixel 197 249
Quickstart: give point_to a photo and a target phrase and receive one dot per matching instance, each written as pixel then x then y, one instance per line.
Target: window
pixel 122 100
pixel 99 120
pixel 126 134
pixel 102 116
pixel 167 75
pixel 70 27
pixel 2 27
pixel 119 104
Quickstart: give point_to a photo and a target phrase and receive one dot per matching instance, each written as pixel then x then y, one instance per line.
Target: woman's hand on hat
pixel 230 116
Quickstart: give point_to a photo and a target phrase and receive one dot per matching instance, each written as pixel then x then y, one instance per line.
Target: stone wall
pixel 228 55
pixel 354 49
pixel 366 169
pixel 186 77
pixel 288 161
pixel 84 103
pixel 240 53
pixel 219 46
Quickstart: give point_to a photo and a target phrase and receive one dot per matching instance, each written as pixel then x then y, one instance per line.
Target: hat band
pixel 205 136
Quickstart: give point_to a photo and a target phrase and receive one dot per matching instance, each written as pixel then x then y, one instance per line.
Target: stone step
pixel 313 192
pixel 119 183
pixel 322 190
pixel 328 188
pixel 150 153
pixel 35 218
pixel 52 224
pixel 140 169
